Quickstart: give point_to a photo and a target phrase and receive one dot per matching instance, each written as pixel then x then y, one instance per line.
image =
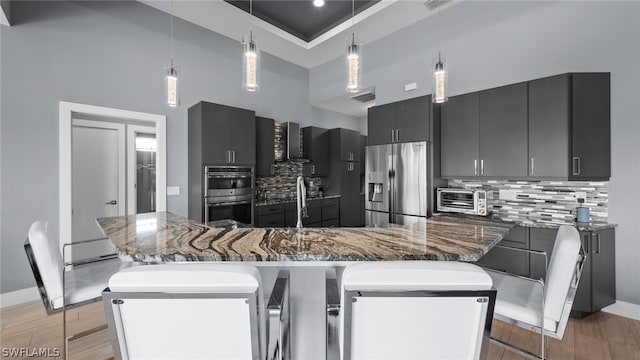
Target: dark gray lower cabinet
pixel 597 287
pixel 320 213
pixel 270 215
pixel 510 261
pixel 314 214
pixel 597 283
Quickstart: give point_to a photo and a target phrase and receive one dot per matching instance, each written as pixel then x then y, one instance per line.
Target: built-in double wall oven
pixel 228 194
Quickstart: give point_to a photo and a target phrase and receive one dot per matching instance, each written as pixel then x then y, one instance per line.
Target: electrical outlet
pixel 173 190
pixel 508 194
pixel 580 195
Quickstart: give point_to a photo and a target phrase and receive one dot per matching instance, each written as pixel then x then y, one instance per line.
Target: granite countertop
pixel 293 200
pixel 165 237
pixel 579 226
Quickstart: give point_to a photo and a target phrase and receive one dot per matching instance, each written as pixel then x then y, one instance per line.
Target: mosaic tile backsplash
pixel 548 202
pixel 282 185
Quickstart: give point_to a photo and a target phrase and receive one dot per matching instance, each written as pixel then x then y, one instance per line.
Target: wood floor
pixel 600 336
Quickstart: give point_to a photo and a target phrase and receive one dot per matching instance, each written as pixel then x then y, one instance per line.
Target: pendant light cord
pixel 171 14
pixel 353 12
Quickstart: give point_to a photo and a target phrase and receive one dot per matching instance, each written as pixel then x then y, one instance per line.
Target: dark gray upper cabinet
pixel 402 121
pixel 503 131
pixel 243 136
pixel 381 124
pixel 349 147
pixel 569 127
pixel 549 111
pixel 412 119
pixel 265 134
pixel 228 134
pixel 315 147
pixel 591 126
pixel 459 128
pixel 555 128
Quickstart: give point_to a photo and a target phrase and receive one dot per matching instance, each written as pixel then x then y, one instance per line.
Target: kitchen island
pixel 309 253
pixel 166 237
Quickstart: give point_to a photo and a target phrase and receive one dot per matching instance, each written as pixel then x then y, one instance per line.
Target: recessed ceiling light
pixel 318 3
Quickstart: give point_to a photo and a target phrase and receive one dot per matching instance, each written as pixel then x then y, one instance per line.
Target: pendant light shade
pixel 171 86
pixel 251 65
pixel 354 67
pixel 439 81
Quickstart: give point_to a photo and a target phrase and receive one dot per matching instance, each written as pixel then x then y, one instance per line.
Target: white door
pixel 97 182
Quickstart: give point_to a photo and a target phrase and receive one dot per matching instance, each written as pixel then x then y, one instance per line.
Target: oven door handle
pixel 226 203
pixel 228 176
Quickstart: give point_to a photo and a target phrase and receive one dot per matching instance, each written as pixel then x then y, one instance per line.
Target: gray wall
pixel 489 43
pixel 113 54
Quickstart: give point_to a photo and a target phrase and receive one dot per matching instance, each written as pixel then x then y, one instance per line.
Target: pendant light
pixel 172 97
pixel 440 77
pixel 353 59
pixel 250 61
pixel 440 81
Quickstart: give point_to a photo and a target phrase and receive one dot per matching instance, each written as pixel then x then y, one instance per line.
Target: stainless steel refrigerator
pixel 396 184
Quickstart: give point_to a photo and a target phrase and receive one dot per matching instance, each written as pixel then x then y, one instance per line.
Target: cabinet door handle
pixel 397 135
pixel 597 250
pixel 585 246
pixel 475 167
pixel 313 169
pixel 234 157
pixel 576 165
pixel 533 166
pixel 481 166
pixel 393 134
pixel 228 156
pixel 273 169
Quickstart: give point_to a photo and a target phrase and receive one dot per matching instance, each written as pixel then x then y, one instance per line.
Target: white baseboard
pixel 625 309
pixel 19 297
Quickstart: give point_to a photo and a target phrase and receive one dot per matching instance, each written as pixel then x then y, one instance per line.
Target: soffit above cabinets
pixel 301 18
pixel 374 20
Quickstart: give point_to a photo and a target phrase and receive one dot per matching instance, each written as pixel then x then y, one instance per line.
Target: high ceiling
pixel 300 33
pixel 301 18
pixel 374 20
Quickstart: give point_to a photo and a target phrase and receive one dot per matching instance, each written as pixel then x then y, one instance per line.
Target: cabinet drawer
pixel 330 202
pixel 314 216
pixel 330 223
pixel 330 212
pixel 271 220
pixel 311 204
pixel 270 209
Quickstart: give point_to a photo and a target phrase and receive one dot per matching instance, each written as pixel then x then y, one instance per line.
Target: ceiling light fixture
pixel 440 77
pixel 354 59
pixel 318 3
pixel 171 74
pixel 250 61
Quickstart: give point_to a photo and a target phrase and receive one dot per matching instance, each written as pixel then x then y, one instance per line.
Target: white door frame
pixel 132 130
pixel 67 111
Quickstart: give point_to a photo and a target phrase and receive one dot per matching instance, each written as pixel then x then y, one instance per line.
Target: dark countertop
pixel 166 237
pixel 292 200
pixel 579 226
